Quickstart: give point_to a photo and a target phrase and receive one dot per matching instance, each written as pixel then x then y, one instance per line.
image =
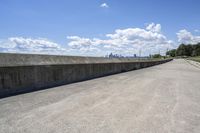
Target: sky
pixel 97 27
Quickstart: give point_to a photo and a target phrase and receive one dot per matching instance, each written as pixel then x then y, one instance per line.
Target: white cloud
pixel 82 44
pixel 104 5
pixel 126 41
pixel 129 41
pixel 77 42
pixel 154 27
pixel 29 45
pixel 187 37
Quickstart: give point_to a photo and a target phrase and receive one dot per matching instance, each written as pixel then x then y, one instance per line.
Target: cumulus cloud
pixel 129 41
pixel 29 45
pixel 82 44
pixel 126 41
pixel 104 5
pixel 78 42
pixel 187 37
pixel 154 27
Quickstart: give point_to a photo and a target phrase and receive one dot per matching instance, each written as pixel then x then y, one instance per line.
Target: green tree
pixel 196 50
pixel 156 56
pixel 189 50
pixel 181 51
pixel 185 50
pixel 171 53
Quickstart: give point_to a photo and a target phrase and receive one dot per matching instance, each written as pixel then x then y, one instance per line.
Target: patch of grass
pixel 195 58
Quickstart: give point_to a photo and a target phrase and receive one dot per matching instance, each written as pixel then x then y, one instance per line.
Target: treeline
pixel 185 50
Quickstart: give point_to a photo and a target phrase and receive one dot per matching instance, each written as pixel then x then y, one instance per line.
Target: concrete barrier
pixel 21 73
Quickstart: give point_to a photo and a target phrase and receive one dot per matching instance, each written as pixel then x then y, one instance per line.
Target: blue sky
pixel 82 27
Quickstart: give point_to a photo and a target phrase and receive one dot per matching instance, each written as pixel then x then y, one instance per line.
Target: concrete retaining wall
pixel 28 75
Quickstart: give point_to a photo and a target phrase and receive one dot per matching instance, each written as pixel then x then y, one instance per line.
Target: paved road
pixel 160 99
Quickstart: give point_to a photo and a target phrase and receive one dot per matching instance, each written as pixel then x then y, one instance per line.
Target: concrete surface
pixel 159 99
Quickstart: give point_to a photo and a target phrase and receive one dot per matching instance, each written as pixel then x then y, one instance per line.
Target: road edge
pixel 193 63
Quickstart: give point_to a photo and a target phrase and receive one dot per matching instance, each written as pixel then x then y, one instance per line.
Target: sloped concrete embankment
pixel 25 73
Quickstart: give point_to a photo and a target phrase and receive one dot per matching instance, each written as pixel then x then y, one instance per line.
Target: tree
pixel 171 53
pixel 181 51
pixel 156 56
pixel 185 50
pixel 189 50
pixel 196 50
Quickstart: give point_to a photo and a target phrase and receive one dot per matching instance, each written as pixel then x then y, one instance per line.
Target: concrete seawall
pixel 21 73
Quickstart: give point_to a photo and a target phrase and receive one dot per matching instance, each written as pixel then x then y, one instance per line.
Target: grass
pixel 195 58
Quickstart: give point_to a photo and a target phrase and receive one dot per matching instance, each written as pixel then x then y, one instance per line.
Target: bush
pixel 156 56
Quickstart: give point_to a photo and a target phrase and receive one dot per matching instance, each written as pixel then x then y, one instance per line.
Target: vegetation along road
pixel 163 98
